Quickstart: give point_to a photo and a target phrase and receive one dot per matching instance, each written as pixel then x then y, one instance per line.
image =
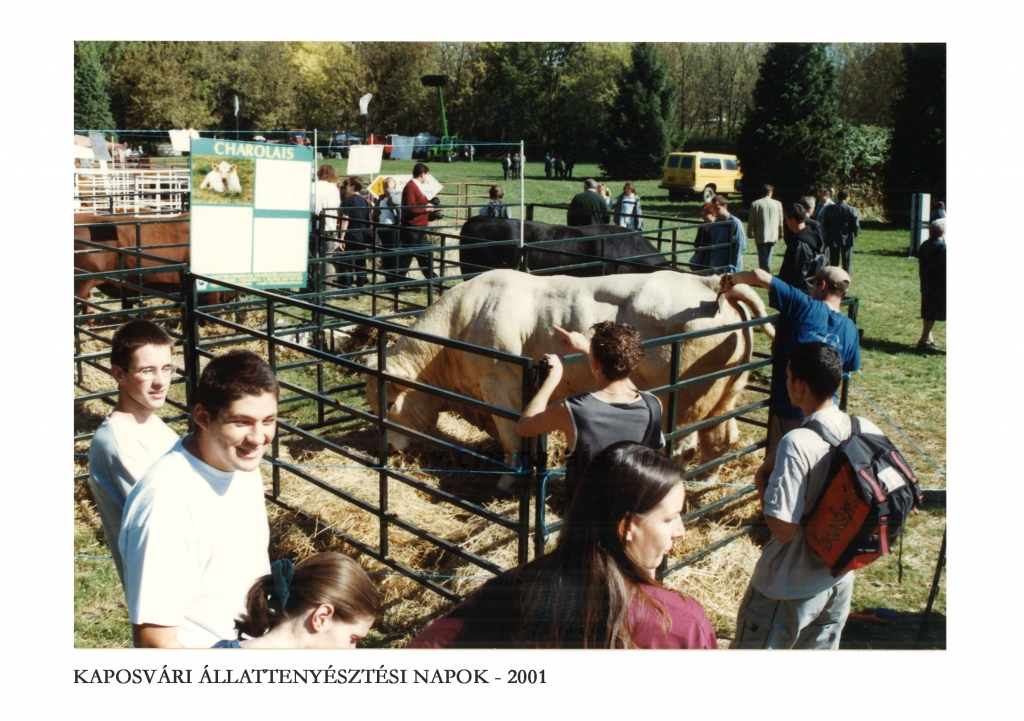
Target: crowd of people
pixel 186 522
pixel 356 220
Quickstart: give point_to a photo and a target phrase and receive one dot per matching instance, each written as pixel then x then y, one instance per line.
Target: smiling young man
pixel 132 437
pixel 195 534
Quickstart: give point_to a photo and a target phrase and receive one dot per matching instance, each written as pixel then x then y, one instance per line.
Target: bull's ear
pixel 232 168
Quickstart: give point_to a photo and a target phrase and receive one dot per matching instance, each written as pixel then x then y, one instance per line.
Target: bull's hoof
pixel 507 485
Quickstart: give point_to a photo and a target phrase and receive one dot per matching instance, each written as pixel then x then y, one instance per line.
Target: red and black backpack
pixel 869 493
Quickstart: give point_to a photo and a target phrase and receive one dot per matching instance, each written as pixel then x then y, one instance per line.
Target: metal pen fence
pixel 321 386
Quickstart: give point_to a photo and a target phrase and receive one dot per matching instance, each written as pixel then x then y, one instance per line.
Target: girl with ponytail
pixel 325 601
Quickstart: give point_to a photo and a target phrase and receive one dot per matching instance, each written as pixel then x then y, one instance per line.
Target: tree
pixel 790 137
pixel 869 77
pixel 92 103
pixel 917 155
pixel 642 118
pixel 164 85
pixel 716 83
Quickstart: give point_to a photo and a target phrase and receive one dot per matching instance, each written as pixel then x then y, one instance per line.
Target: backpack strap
pixel 821 430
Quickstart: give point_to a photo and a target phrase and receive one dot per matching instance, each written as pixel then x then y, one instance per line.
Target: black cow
pixel 484 229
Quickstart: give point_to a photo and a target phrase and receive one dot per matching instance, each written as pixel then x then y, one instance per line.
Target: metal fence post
pixel 539 461
pixel 673 399
pixel 525 445
pixel 382 405
pixel 844 395
pixel 190 296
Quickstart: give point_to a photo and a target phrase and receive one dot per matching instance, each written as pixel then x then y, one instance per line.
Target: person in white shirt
pixel 194 537
pixel 327 197
pixel 627 210
pixel 132 437
pixel 792 600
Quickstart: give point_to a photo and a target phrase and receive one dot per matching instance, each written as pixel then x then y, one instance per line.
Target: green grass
pixel 908 387
pixel 101 616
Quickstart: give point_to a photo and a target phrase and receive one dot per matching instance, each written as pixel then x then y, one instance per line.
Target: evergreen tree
pixel 92 103
pixel 642 119
pixel 917 155
pixel 791 135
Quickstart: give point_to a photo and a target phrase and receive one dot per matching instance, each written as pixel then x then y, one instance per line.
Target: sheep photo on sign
pixel 223 180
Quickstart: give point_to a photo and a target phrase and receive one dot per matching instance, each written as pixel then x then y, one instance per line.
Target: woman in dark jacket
pixel 932 267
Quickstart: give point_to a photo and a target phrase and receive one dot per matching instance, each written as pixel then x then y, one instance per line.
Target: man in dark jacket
pixel 841 225
pixel 354 231
pixel 588 207
pixel 805 252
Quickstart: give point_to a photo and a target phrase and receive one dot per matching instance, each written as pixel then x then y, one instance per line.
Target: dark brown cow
pixel 152 235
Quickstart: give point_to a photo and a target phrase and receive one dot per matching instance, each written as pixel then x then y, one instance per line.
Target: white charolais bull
pixel 214 181
pixel 234 185
pixel 515 312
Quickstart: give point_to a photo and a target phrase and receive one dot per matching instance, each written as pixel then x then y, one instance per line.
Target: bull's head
pixel 405 406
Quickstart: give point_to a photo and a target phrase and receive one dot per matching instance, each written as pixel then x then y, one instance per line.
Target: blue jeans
pixel 764 256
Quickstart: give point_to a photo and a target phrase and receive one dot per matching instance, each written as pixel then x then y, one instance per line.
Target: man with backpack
pixel 793 600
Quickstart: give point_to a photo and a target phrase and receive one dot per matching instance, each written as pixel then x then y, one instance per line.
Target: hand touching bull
pixel 570 342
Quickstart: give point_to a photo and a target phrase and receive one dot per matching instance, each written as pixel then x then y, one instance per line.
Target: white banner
pixel 364 159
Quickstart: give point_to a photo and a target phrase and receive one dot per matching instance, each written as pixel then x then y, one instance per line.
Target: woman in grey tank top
pixel 615 411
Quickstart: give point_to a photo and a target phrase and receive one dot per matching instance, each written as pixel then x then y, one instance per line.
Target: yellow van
pixel 703 174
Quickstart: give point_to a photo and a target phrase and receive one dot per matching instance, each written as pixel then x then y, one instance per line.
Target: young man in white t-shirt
pixel 132 437
pixel 194 536
pixel 792 600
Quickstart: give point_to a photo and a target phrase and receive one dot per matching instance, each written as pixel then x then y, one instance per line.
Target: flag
pixel 236 106
pixel 364 103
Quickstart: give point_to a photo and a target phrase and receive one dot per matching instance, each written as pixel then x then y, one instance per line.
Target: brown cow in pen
pixel 153 235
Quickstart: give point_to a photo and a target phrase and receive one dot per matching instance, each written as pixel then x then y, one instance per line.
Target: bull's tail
pixel 745 294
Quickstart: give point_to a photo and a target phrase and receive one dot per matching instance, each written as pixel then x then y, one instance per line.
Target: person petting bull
pixel 802 319
pixel 614 411
pixel 598 588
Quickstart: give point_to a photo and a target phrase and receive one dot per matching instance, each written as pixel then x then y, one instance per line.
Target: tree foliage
pixel 163 85
pixel 716 84
pixel 790 137
pixel 92 103
pixel 552 95
pixel 917 156
pixel 642 121
pixel 869 78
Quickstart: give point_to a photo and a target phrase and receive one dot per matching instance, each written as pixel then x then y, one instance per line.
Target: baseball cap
pixel 835 277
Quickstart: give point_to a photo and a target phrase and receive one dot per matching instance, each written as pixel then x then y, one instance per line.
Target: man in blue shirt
pixel 802 319
pixel 732 233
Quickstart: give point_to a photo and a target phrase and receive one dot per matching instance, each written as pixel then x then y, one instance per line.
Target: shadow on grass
pixel 891 347
pixel 885 253
pixel 905 633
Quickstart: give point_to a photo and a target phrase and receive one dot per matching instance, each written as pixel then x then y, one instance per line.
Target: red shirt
pixel 484 620
pixel 412 195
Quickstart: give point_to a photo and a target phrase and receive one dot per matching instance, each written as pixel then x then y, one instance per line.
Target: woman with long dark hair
pixel 324 601
pixel 598 588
